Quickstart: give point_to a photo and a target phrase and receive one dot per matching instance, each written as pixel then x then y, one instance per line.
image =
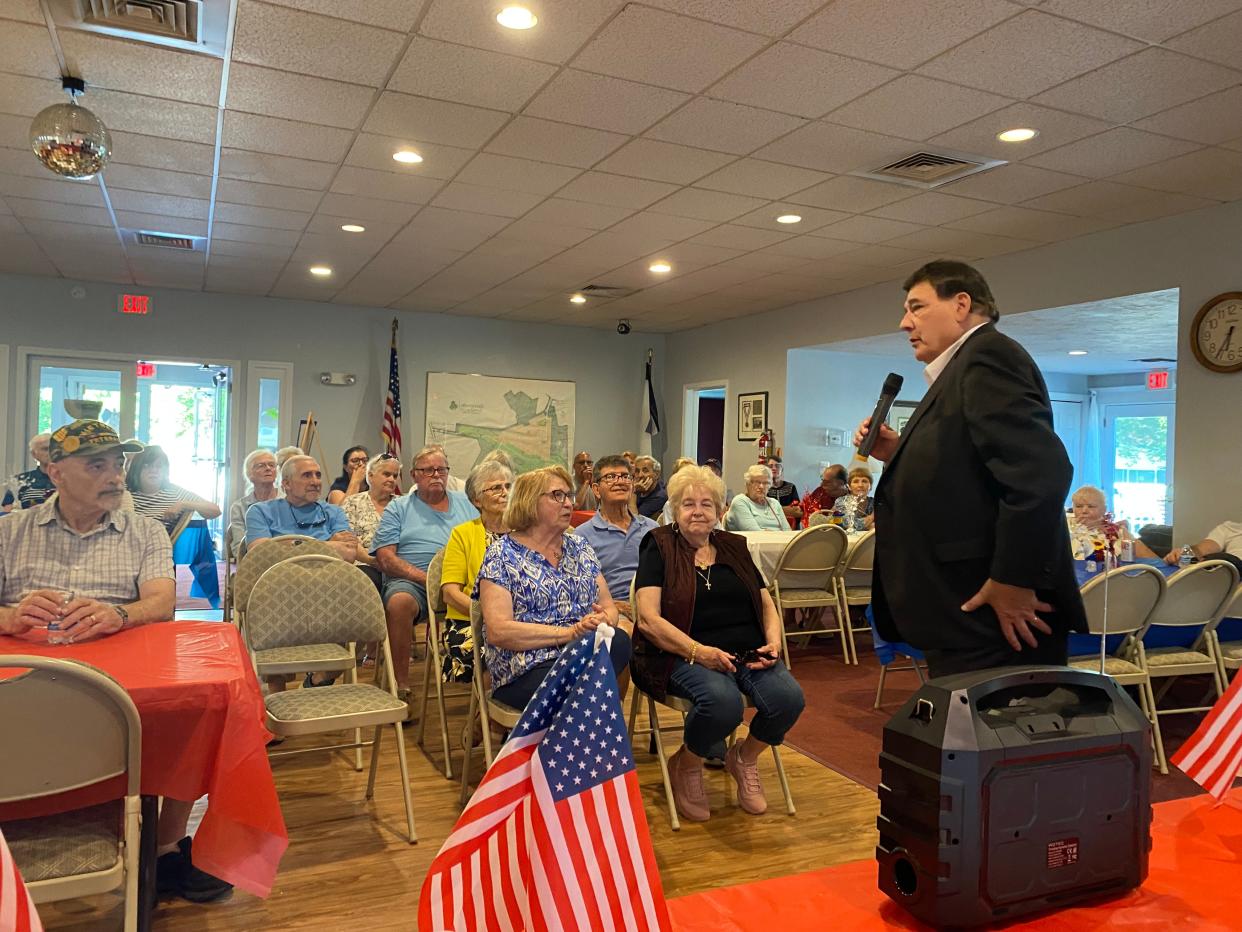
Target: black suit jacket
pixel 975 489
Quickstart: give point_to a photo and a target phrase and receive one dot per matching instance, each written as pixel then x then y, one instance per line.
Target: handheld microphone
pixel 888 394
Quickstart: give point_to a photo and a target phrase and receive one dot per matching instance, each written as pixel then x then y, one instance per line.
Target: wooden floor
pixel 348 861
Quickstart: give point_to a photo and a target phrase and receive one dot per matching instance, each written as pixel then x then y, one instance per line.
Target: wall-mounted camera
pixel 623 326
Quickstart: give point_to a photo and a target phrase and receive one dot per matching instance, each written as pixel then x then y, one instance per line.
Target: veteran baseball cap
pixel 87 437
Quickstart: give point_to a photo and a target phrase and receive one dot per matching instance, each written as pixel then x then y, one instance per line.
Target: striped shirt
pixel 27 489
pixel 154 504
pixel 39 550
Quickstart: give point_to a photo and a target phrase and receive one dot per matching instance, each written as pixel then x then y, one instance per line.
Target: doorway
pixel 704 420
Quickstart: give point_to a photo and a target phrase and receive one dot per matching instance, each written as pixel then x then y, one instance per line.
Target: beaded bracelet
pixel 694 649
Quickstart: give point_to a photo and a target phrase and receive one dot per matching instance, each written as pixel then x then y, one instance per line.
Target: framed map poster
pixel 752 415
pixel 532 420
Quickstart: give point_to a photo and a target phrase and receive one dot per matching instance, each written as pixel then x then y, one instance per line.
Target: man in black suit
pixel 972 558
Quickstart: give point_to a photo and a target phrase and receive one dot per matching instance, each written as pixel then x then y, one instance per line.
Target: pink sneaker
pixel 749 790
pixel 689 793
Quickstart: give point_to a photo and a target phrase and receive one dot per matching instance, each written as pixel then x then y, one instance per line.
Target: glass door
pixel 1138 462
pixel 71 388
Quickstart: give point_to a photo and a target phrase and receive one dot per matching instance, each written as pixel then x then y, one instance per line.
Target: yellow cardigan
pixel 463 557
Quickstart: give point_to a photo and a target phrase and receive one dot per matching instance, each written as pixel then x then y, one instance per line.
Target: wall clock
pixel 1216 334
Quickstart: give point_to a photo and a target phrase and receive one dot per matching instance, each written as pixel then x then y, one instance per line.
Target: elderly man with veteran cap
pixel 81 560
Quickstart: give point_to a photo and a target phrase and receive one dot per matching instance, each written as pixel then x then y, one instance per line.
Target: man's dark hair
pixel 948 278
pixel 838 470
pixel 612 460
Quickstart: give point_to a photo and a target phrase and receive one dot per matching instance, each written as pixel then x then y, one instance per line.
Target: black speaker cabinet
pixel 1010 791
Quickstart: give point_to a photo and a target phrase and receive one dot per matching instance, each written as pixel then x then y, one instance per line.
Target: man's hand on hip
pixel 1015 609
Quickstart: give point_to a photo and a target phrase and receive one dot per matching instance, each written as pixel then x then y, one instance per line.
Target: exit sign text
pixel 133 303
pixel 1158 380
pixel 144 370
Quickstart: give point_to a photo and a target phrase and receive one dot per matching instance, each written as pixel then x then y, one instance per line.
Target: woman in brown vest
pixel 709 632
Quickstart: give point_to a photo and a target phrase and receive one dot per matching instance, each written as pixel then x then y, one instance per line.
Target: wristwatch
pixel 120 610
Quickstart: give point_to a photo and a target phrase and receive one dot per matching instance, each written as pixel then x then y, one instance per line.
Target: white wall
pixel 314 337
pixel 1197 253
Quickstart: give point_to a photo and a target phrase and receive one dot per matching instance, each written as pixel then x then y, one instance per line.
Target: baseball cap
pixel 87 437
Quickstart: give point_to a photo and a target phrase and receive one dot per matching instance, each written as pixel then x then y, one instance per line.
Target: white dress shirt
pixel 932 370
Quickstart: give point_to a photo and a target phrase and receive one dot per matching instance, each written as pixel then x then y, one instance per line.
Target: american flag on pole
pixel 555 837
pixel 17 911
pixel 1213 754
pixel 391 429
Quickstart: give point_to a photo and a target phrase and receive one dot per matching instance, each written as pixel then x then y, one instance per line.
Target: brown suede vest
pixel 650 665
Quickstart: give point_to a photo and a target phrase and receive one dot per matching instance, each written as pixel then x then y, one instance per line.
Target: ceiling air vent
pixel 166 240
pixel 607 291
pixel 170 19
pixel 931 169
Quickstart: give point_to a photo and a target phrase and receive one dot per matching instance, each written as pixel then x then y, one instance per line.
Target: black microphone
pixel 888 394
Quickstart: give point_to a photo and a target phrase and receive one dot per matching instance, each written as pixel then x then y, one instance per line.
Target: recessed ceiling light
pixel 321 270
pixel 353 228
pixel 516 17
pixel 1078 352
pixel 660 267
pixel 789 218
pixel 1022 134
pixel 577 299
pixel 407 157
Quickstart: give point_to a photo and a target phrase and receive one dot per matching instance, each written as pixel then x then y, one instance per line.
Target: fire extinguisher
pixel 765 443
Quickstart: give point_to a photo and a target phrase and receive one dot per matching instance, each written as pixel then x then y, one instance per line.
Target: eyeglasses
pixel 616 478
pixel 387 456
pixel 560 496
pixel 432 470
pixel 355 461
pixel 497 488
pixel 303 525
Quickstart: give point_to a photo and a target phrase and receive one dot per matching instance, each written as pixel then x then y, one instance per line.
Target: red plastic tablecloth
pixel 202 735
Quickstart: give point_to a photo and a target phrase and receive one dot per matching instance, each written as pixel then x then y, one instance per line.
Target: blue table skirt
pixel 195 549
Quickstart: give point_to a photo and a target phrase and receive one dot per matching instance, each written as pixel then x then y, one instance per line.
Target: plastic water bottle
pixel 1186 557
pixel 54 634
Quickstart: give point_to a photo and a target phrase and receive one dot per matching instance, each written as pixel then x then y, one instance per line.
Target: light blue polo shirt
pixel 419 530
pixel 277 517
pixel 617 549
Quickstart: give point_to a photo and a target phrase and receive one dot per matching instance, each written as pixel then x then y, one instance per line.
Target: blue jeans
pixel 717 699
pixel 517 693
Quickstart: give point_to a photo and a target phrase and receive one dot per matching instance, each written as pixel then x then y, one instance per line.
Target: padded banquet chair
pixel 1231 651
pixel 434 661
pixel 489 709
pixel 852 582
pixel 803 578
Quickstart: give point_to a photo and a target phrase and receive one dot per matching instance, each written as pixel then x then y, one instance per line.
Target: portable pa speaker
pixel 1010 791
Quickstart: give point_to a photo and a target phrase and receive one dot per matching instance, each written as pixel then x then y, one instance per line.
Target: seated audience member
pixel 584 493
pixel 457 483
pixel 33 487
pixel 412 529
pixel 364 509
pixel 1086 525
pixel 118 568
pixel 1223 542
pixel 785 493
pixel 156 497
pixel 666 512
pixel 615 532
pixel 487 487
pixel 753 510
pixel 648 488
pixel 832 485
pixel 856 507
pixel 353 477
pixel 540 589
pixel 260 470
pixel 283 454
pixel 708 631
pixel 300 511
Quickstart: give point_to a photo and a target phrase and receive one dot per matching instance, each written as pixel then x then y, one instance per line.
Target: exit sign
pixel 1158 380
pixel 144 370
pixel 133 303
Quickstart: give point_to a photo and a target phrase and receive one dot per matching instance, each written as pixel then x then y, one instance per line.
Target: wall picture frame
pixel 752 415
pixel 901 414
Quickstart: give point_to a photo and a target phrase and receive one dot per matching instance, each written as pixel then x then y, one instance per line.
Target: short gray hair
pixel 251 457
pixel 374 462
pixel 485 471
pixel 432 449
pixel 689 478
pixel 499 456
pixel 283 454
pixel 290 465
pixel 46 438
pixel 758 471
pixel 655 464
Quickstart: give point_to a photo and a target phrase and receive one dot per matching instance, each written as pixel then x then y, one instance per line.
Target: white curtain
pixel 1091 466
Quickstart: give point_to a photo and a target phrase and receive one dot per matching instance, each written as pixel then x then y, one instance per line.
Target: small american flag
pixel 1212 755
pixel 17 911
pixel 555 837
pixel 391 429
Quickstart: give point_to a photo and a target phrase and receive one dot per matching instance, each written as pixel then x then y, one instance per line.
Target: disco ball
pixel 70 140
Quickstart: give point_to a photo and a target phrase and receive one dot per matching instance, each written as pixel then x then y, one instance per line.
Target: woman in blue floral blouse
pixel 540 589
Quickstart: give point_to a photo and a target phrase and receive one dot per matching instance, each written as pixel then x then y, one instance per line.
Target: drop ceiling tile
pixel 802 81
pixel 306 43
pixel 157 181
pixel 732 236
pixel 25 48
pixel 247 282
pixel 1158 204
pixel 603 102
pixel 1055 127
pixel 851 27
pixel 370 291
pixel 961 243
pixel 341 250
pixel 508 246
pixel 284 137
pixel 1093 199
pixel 160 223
pixel 814 247
pixel 171 154
pixel 275 169
pixel 663 161
pixel 50 187
pixel 500 301
pixel 765 261
pixel 159 204
pixel 52 210
pixel 261 216
pixel 232 191
pixel 1109 153
pixel 853 195
pixel 864 229
pixel 372 151
pixel 10 225
pixel 841 149
pixel 169 119
pixel 242 233
pixel 297 96
pixel 616 190
pixel 932 208
pixel 1210 173
pixel 232 252
pixel 376 234
pixel 757 178
pixel 14 130
pixel 164 73
pixel 473 23
pixel 915 107
pixel 22 162
pixel 385 185
pixel 812 218
pixel 559 143
pixel 770 18
pixel 1024 223
pixel 1212 120
pixel 1027 54
pixel 556 210
pixel 724 126
pixel 466 75
pixel 1151 21
pixel 472 197
pixel 1217 41
pixel 23 96
pixel 663 227
pixel 702 204
pixel 503 171
pixel 1009 184
pixel 54 231
pixel 553 233
pixel 883 256
pixel 655 47
pixel 26 11
pixel 390 14
pixel 433 120
pixel 1138 86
